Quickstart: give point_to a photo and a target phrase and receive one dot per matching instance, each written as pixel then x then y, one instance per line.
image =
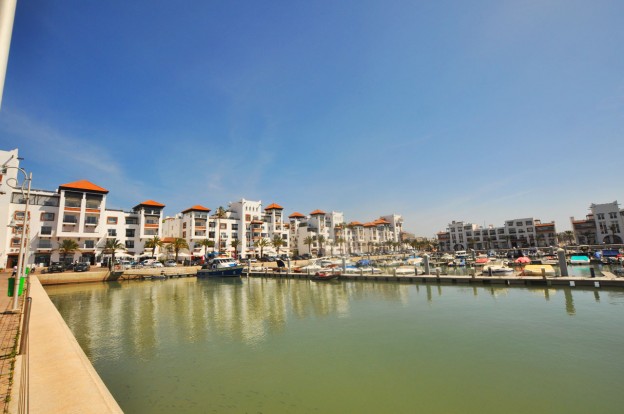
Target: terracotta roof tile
pixel 196 207
pixel 83 185
pixel 296 215
pixel 149 203
pixel 317 212
pixel 274 206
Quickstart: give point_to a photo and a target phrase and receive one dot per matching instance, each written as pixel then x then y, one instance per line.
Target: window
pixel 132 220
pixel 130 232
pixel 44 244
pixel 129 244
pixel 151 221
pixel 212 224
pixel 528 223
pixel 612 215
pixel 111 220
pixel 15 242
pixel 184 235
pixel 46 230
pixel 211 235
pixel 600 216
pixel 223 226
pixel 151 232
pixel 183 225
pixel 235 227
pixel 70 219
pixel 89 244
pixel 47 216
pixel 518 223
pixel 91 220
pixel 112 233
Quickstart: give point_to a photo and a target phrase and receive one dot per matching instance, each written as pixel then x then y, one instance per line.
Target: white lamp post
pixel 21 259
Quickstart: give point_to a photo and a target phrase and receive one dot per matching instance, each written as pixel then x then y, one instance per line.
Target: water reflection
pixel 202 310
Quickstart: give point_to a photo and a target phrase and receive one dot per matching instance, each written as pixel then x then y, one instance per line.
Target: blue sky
pixel 441 110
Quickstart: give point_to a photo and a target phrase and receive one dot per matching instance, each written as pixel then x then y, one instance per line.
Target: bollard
pixel 563 265
pixel 248 267
pixel 415 271
pixel 426 262
pixel 592 272
pixel 543 273
pixel 490 271
pixel 437 272
pixel 288 261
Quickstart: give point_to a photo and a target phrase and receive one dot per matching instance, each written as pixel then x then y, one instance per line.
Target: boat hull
pixel 234 271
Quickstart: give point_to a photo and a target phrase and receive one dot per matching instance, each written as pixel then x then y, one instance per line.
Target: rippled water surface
pixel 296 346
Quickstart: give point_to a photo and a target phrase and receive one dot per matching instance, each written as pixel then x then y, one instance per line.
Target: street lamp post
pixel 21 259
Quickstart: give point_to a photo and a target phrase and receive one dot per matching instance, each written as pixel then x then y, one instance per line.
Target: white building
pixel 516 233
pixel 604 225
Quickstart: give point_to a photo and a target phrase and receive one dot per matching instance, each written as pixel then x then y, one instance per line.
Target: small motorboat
pixel 496 270
pixel 325 276
pixel 538 270
pixel 220 267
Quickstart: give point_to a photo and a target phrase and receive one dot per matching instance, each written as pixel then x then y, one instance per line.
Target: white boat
pixel 405 270
pixel 221 267
pixel 497 270
pixel 414 261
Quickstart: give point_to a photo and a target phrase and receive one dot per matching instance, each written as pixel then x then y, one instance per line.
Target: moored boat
pixel 579 260
pixel 324 276
pixel 220 267
pixel 538 270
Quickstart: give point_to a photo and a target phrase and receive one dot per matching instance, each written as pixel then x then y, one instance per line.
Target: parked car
pixel 170 263
pixel 82 267
pixel 56 267
pixel 157 264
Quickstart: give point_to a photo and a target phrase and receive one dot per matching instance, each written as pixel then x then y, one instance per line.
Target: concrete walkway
pixel 9 325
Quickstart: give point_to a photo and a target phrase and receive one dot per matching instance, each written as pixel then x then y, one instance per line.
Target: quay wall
pixel 62 379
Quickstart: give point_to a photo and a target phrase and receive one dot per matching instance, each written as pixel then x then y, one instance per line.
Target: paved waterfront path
pixel 9 325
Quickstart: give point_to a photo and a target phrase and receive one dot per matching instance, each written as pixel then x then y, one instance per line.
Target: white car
pixel 170 263
pixel 157 264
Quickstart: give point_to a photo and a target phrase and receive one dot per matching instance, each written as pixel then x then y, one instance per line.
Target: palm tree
pixel 309 241
pixel 277 242
pixel 235 245
pixel 613 229
pixel 262 243
pixel 111 246
pixel 220 214
pixel 340 241
pixel 569 236
pixel 205 243
pixel 321 240
pixel 153 243
pixel 66 247
pixel 178 244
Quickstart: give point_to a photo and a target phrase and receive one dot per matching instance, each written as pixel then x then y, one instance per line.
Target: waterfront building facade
pixel 78 211
pixel 516 233
pixel 604 225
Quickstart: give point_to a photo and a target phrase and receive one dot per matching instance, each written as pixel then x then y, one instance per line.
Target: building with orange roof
pixel 74 211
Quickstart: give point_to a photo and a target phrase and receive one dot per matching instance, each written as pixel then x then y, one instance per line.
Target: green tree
pixel 205 243
pixel 152 244
pixel 235 245
pixel 321 239
pixel 613 228
pixel 67 247
pixel 309 240
pixel 178 244
pixel 220 214
pixel 111 247
pixel 262 243
pixel 277 242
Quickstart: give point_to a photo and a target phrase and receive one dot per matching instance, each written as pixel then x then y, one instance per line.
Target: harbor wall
pixel 62 379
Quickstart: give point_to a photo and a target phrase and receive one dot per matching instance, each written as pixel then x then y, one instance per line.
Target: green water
pixel 295 346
